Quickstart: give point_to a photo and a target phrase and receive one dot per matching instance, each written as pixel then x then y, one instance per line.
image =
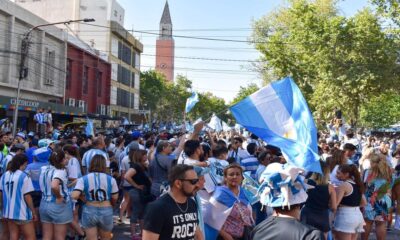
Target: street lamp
pixel 23 71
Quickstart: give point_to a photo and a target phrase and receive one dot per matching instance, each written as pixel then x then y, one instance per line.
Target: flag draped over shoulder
pixel 218 209
pixel 89 130
pixel 191 102
pixel 279 114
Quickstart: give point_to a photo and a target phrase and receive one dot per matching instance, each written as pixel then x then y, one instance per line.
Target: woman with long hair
pixel 232 194
pixel 74 171
pixel 137 177
pixel 349 220
pixel 55 207
pixel 100 192
pixel 17 204
pixel 337 159
pixel 378 181
pixel 321 199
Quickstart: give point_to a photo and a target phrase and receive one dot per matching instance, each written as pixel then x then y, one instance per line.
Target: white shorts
pixel 349 220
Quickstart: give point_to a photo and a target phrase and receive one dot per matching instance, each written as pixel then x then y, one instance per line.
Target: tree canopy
pixel 336 61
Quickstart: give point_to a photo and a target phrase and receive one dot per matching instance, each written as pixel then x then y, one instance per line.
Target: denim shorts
pixel 349 220
pixel 137 205
pixel 55 213
pixel 100 217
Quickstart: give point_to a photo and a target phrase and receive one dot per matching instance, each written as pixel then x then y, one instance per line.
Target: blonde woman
pixel 378 187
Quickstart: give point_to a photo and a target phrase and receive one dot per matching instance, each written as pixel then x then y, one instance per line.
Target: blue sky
pixel 222 19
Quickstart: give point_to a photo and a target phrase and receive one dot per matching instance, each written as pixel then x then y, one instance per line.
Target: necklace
pixel 187 204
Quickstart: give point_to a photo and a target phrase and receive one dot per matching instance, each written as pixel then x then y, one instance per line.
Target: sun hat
pixel 282 185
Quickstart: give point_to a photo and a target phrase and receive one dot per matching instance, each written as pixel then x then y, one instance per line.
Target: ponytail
pixel 353 174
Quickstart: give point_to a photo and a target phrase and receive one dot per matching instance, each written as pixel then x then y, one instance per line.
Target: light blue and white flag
pixel 218 209
pixel 225 127
pixel 215 123
pixel 279 115
pixel 89 129
pixel 191 101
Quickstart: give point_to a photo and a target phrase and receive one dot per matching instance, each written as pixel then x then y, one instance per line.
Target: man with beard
pixel 174 215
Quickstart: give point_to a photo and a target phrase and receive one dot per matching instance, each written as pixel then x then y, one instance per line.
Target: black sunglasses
pixel 192 181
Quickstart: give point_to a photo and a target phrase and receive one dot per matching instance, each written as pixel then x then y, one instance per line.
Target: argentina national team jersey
pixel 47 175
pixel 87 157
pixel 5 161
pixel 97 186
pixel 14 186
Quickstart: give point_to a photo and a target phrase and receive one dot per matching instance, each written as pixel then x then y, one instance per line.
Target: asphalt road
pixel 122 232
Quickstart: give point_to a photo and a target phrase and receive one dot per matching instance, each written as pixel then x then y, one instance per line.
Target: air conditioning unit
pixel 81 104
pixel 71 102
pixel 103 109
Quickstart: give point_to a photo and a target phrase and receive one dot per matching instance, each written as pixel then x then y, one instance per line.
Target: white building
pixel 46 62
pixel 112 39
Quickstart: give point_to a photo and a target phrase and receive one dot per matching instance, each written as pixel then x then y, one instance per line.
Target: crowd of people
pixel 180 185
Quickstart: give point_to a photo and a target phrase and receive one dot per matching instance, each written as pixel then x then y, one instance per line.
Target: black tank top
pixel 318 197
pixel 354 199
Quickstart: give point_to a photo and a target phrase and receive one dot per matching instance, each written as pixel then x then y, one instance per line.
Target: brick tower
pixel 165 47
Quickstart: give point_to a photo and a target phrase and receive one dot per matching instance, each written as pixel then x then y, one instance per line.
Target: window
pixel 133 80
pixel 124 53
pixel 69 74
pixel 99 77
pixel 50 59
pixel 85 83
pixel 115 13
pixel 132 100
pixel 122 98
pixel 124 75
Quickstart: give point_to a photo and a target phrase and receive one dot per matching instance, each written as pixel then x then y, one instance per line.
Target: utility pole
pixel 23 70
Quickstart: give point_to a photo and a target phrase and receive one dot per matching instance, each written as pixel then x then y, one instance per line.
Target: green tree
pixel 388 9
pixel 207 105
pixel 381 111
pixel 152 89
pixel 244 92
pixel 336 61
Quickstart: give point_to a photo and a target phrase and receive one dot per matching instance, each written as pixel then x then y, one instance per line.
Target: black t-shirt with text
pixel 285 228
pixel 165 218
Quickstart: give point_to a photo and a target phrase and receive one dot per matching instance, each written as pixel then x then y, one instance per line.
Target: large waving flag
pixel 218 209
pixel 278 114
pixel 191 101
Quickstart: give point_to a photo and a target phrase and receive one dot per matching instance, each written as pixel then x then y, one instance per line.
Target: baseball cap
pixel 21 135
pixel 42 154
pixel 45 142
pixel 136 134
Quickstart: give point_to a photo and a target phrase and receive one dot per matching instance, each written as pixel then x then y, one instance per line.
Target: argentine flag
pixel 218 209
pixel 191 101
pixel 89 130
pixel 279 115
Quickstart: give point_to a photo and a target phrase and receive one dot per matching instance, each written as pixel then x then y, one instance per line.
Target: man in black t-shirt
pixel 174 215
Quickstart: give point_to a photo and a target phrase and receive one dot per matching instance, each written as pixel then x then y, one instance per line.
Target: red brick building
pixel 88 81
pixel 165 46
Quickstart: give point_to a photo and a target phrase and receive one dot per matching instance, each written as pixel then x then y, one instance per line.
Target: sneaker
pixel 119 221
pixel 397 223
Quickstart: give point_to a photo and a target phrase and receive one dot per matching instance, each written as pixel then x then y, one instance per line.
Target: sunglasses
pixel 192 181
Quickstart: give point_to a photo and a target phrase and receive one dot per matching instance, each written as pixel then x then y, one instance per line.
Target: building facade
pixel 165 46
pixel 44 84
pixel 112 40
pixel 88 81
